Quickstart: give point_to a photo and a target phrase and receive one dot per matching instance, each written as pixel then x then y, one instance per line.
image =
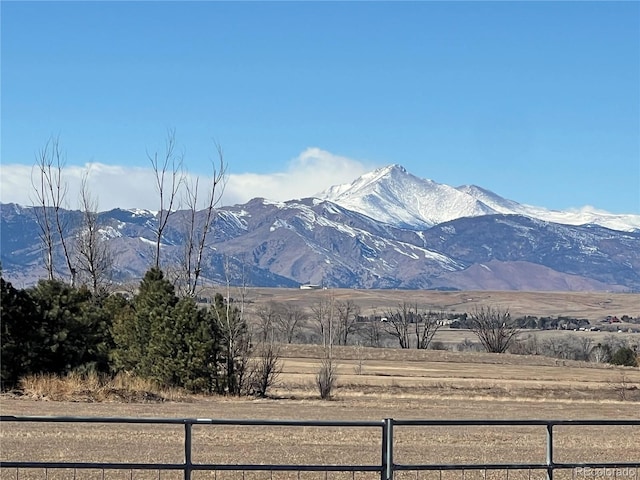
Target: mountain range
pixel 387 229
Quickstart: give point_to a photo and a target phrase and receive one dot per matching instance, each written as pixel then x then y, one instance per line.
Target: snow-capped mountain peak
pixel 394 196
pixel 370 178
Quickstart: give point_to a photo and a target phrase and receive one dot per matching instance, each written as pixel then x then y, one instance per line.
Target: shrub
pixel 438 345
pixel 326 378
pixel 625 356
pixel 265 369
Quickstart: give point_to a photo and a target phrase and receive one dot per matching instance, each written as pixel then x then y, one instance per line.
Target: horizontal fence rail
pixel 385 468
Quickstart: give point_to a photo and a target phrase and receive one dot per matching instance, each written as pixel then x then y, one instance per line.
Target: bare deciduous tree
pixel 324 316
pixel 494 327
pixel 426 327
pixel 235 336
pixel 167 170
pixel 265 369
pixel 347 313
pixel 371 332
pixel 43 214
pixel 290 321
pixel 94 257
pixel 583 349
pixel 197 231
pixel 268 317
pixel 398 323
pixel 326 376
pixel 50 192
pixel 323 312
pixel 407 317
pixel 601 353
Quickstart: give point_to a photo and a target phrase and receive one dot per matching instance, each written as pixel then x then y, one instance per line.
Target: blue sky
pixel 536 101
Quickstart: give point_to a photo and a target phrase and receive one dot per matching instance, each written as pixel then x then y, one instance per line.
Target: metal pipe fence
pixel 386 468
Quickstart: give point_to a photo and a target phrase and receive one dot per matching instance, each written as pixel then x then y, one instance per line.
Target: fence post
pixel 549 451
pixel 387 449
pixel 187 450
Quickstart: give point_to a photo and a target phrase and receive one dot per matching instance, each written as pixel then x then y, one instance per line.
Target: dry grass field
pixel 590 305
pixel 373 384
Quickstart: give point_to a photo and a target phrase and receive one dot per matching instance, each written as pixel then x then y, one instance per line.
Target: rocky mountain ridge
pixel 387 229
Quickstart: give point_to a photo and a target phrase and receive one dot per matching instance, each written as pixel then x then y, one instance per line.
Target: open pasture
pixel 373 384
pixel 592 306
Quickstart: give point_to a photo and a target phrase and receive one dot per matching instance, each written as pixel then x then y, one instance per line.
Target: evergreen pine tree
pixel 197 357
pixel 18 328
pixel 135 350
pixel 70 328
pixel 166 339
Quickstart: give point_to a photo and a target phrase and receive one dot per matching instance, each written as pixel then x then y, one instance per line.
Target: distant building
pixel 309 286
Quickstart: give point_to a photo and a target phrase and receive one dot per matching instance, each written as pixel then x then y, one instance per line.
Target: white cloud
pixel 131 187
pixel 112 185
pixel 309 173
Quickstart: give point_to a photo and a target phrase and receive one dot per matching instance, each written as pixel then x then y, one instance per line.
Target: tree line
pixel 222 347
pixel 58 328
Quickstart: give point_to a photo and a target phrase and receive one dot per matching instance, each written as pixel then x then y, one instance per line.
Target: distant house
pixel 309 286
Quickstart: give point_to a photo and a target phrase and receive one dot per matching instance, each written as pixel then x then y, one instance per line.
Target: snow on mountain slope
pixel 394 196
pixel 582 216
pixel 493 201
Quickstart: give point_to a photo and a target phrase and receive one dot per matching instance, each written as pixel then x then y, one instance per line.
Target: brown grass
pixel 392 384
pixel 95 387
pixel 590 305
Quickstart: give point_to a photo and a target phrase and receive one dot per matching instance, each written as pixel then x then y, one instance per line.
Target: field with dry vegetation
pixel 592 306
pixel 372 384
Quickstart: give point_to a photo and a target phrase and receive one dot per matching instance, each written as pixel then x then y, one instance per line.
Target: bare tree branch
pixel 51 191
pixel 169 165
pixel 323 313
pixel 235 336
pixel 347 312
pixel 94 256
pixel 494 328
pixel 268 316
pixel 196 233
pixel 290 321
pixel 426 327
pixel 398 321
pixel 43 214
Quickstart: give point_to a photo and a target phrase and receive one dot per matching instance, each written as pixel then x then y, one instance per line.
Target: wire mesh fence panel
pixel 86 474
pixel 476 474
pixel 279 475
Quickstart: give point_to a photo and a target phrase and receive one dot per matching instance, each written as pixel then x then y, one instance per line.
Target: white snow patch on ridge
pixel 138 212
pixel 147 241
